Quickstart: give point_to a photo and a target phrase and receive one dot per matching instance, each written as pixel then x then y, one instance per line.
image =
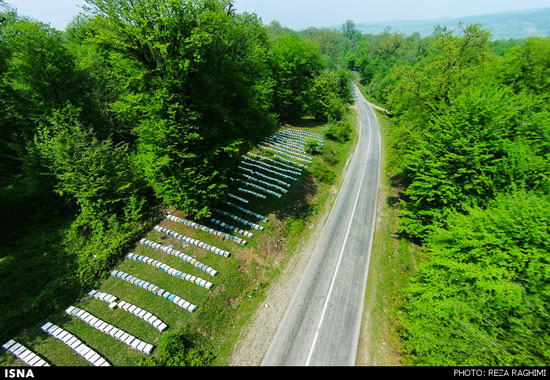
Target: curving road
pixel 322 323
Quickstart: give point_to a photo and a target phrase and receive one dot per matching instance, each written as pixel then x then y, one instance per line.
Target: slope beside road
pixel 322 322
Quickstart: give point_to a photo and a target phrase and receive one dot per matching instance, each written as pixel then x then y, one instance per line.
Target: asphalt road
pixel 322 323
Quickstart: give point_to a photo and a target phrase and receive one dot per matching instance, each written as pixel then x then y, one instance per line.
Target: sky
pixel 300 14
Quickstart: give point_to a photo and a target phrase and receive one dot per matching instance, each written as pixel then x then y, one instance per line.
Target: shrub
pixel 176 350
pixel 339 132
pixel 323 173
pixel 296 227
pixel 329 156
pixel 313 147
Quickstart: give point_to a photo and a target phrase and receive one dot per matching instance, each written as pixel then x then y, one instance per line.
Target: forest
pixel 136 106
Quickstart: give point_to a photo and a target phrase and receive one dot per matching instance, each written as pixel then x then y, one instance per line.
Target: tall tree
pixel 295 64
pixel 208 90
pixel 349 31
pixel 527 66
pixel 97 174
pixel 38 76
pixel 451 62
pixel 329 92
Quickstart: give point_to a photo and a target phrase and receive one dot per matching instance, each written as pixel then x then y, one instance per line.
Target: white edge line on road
pixel 343 247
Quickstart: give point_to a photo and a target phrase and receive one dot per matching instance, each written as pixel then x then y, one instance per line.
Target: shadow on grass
pixel 306 123
pixel 294 206
pixel 398 182
pixel 297 203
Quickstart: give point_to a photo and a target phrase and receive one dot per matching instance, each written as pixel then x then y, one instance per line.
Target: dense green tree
pixel 275 30
pixel 37 76
pixel 349 30
pixel 451 62
pixel 500 47
pixel 483 297
pixel 208 90
pixel 40 67
pixel 472 130
pixel 330 90
pixel 112 82
pixel 376 56
pixel 468 136
pixel 476 146
pixel 527 67
pixel 295 64
pixel 331 43
pixel 97 174
pixel 101 179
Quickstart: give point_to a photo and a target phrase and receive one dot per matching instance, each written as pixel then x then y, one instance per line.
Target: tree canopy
pixel 471 127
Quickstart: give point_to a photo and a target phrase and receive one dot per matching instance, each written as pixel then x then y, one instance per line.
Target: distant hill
pixel 507 25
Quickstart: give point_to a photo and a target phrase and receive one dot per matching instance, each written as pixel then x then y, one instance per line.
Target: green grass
pixel 238 289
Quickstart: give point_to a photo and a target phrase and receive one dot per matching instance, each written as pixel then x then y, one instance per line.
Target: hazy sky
pixel 298 14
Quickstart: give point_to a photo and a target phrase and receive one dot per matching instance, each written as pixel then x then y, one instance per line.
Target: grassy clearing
pixel 238 288
pixel 393 261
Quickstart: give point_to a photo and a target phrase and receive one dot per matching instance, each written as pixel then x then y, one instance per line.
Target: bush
pixel 323 173
pixel 176 350
pixel 329 156
pixel 313 147
pixel 483 297
pixel 339 132
pixel 296 227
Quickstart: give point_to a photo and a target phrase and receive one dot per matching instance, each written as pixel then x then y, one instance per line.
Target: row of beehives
pixel 171 271
pixel 109 329
pixel 268 184
pixel 24 354
pixel 143 314
pixel 287 144
pixel 267 176
pixel 79 347
pixel 155 290
pixel 75 344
